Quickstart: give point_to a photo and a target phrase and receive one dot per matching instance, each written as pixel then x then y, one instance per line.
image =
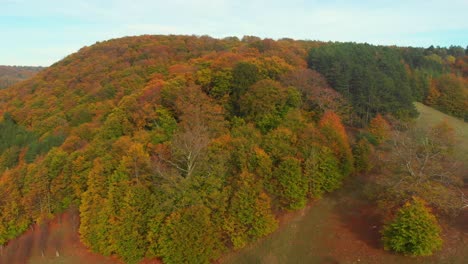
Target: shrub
pixel 414 231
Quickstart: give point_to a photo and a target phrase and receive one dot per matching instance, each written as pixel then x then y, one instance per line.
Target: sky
pixel 41 32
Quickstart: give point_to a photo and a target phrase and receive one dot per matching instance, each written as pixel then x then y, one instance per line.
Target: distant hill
pixel 10 75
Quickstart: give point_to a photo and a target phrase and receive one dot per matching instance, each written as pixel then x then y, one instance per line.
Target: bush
pixel 414 231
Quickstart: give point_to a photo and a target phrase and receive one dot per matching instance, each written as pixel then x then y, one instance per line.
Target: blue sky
pixel 42 32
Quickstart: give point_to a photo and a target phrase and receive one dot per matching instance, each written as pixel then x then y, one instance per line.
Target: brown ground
pixel 53 242
pixel 340 228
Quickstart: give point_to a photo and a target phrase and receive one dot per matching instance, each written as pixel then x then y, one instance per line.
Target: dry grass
pixel 430 117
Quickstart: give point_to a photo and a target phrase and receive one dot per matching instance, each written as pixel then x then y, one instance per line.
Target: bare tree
pixel 421 163
pixel 200 119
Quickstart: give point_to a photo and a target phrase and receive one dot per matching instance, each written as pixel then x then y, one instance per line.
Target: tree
pixel 131 224
pixel 279 143
pixel 91 203
pixel 14 218
pixel 201 119
pixel 188 236
pixel 449 94
pixel 414 230
pixel 322 172
pixel 337 140
pixel 291 185
pixel 244 74
pixel 423 165
pixel 372 78
pixel 379 128
pixel 362 151
pixel 266 102
pixel 249 215
pixel 317 95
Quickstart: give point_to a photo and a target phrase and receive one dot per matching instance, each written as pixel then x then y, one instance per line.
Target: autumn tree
pixel 14 217
pixel 379 129
pixel 90 207
pixel 337 140
pixel 249 215
pixel 317 95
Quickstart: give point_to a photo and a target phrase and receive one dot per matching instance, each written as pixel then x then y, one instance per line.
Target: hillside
pixel 431 117
pixel 10 75
pixel 183 148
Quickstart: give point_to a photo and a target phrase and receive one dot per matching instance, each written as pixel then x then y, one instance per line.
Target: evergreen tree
pixel 414 231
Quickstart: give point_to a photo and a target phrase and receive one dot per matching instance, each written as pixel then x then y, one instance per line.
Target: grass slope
pixel 430 117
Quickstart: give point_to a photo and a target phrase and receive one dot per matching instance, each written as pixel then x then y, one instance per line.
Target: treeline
pixel 371 77
pixel 378 79
pixel 439 78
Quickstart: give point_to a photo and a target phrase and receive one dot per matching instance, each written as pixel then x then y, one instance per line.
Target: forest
pixel 184 148
pixel 10 75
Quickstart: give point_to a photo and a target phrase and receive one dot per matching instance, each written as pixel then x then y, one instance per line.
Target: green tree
pixel 244 74
pixel 322 172
pixel 249 213
pixel 266 102
pixel 291 185
pixel 361 152
pixel 188 236
pixel 91 202
pixel 414 231
pixel 131 226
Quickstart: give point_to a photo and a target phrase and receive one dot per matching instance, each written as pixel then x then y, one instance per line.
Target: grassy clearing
pixel 340 228
pixel 430 117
